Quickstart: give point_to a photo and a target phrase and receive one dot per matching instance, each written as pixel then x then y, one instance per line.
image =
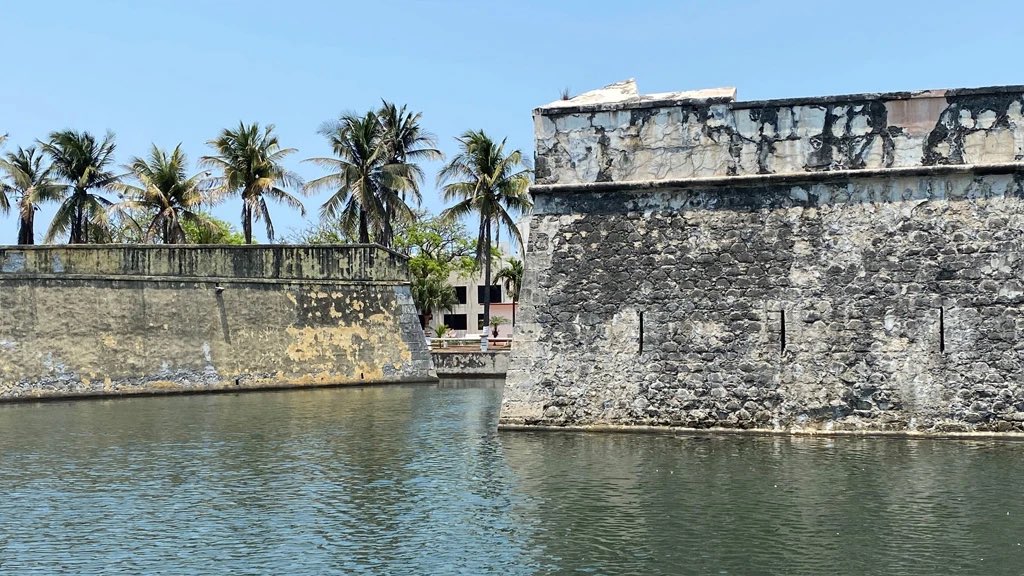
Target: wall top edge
pixel 717 98
pixel 203 247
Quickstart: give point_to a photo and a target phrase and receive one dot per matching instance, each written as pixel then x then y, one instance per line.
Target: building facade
pixel 467 316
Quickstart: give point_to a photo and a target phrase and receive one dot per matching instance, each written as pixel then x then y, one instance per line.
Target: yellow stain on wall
pixel 326 349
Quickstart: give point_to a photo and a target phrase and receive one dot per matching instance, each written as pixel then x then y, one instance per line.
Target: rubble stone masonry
pixel 839 263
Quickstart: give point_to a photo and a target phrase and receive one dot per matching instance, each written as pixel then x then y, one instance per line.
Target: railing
pixel 467 343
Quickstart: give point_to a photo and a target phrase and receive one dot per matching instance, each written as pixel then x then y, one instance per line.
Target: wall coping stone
pixel 652 101
pixel 684 431
pixel 280 263
pixel 749 180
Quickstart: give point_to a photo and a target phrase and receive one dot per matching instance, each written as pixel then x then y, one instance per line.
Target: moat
pixel 416 480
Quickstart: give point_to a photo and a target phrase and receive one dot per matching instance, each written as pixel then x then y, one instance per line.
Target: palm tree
pixel 512 277
pixel 372 171
pixel 166 193
pixel 356 173
pixel 83 163
pixel 406 144
pixel 5 204
pixel 483 180
pixel 250 162
pixel 431 291
pixel 29 181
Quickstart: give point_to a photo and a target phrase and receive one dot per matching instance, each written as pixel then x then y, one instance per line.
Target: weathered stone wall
pixel 458 364
pixel 884 299
pixel 637 139
pixel 141 319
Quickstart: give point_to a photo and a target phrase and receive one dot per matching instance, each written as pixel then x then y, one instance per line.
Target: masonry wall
pixel 880 299
pixel 459 364
pixel 641 140
pixel 142 319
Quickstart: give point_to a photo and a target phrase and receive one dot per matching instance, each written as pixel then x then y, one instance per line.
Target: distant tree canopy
pixel 373 176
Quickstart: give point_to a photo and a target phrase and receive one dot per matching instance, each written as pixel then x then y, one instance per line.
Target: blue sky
pixel 170 71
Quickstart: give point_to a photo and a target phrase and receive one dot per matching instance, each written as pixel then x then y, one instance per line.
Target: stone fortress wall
pixel 109 320
pixel 840 263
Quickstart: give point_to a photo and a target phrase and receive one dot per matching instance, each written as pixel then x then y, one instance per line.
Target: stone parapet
pixel 357 263
pixel 617 135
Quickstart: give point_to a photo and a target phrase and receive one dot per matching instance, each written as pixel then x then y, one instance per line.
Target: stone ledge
pixel 643 429
pixel 168 389
pixel 226 280
pixel 645 101
pixel 750 180
pixel 353 262
pixel 479 364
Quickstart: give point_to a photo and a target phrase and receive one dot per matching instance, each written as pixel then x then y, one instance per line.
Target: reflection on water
pixel 415 480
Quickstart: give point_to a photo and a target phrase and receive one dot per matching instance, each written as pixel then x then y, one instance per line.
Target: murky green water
pixel 415 480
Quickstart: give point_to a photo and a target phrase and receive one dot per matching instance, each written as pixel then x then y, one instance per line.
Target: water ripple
pixel 415 480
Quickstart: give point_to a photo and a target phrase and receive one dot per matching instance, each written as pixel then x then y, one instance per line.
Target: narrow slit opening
pixel 782 330
pixel 641 350
pixel 942 329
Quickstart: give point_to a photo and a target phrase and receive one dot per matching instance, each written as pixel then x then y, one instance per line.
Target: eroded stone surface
pixel 461 364
pixel 902 299
pixel 130 319
pixel 840 263
pixel 706 134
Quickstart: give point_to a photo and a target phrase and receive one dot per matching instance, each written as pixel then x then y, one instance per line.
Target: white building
pixel 467 316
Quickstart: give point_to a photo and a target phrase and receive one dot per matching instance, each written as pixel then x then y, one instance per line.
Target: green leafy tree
pixel 430 289
pixel 322 232
pixel 511 276
pixel 250 162
pixel 442 240
pixel 165 195
pixel 357 171
pixel 436 247
pixel 26 179
pixel 484 181
pixel 84 164
pixel 211 231
pixel 497 321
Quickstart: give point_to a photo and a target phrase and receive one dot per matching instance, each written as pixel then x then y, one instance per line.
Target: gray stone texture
pixel 459 364
pixel 900 295
pixel 636 140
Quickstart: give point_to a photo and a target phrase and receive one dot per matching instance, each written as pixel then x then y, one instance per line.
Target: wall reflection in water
pixel 416 480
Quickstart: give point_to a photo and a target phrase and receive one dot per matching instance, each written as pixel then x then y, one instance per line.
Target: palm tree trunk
pixel 387 232
pixel 83 230
pixel 247 223
pixel 76 226
pixel 26 234
pixel 364 228
pixel 487 275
